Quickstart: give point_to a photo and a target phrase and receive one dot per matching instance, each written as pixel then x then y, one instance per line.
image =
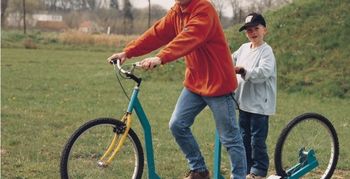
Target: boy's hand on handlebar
pixel 240 70
pixel 150 63
pixel 117 56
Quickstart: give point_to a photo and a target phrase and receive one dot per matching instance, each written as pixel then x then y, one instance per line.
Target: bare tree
pixel 263 5
pixel 219 6
pixel 149 13
pixel 50 4
pixel 128 17
pixel 55 5
pixel 66 5
pixel 91 4
pixel 268 3
pixel 3 10
pixel 24 16
pixel 236 11
pixel 76 4
pixel 115 4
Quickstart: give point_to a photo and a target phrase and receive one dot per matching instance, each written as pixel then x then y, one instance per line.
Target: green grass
pixel 46 94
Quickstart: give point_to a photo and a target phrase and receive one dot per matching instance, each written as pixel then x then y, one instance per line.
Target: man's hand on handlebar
pixel 147 63
pixel 150 63
pixel 117 56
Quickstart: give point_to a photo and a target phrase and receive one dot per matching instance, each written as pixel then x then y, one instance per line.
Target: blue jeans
pixel 188 106
pixel 254 130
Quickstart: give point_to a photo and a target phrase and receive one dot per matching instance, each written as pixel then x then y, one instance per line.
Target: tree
pixel 128 17
pixel 24 16
pixel 236 11
pixel 219 6
pixel 115 4
pixel 91 4
pixel 3 10
pixel 263 5
pixel 149 13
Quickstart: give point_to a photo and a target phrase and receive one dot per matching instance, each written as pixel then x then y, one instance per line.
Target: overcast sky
pixel 167 4
pixel 144 3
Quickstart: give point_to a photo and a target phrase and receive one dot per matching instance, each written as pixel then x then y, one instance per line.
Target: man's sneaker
pixel 253 176
pixel 197 175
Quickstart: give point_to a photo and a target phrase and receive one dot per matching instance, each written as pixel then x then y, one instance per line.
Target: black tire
pixel 312 131
pixel 88 143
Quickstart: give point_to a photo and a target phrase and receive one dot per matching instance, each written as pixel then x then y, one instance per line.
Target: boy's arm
pixel 238 69
pixel 234 57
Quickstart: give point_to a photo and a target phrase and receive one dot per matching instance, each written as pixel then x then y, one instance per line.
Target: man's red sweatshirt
pixel 193 32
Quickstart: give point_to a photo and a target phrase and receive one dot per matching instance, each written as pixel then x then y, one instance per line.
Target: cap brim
pixel 248 25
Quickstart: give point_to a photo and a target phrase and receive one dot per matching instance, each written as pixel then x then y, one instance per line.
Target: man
pixel 192 29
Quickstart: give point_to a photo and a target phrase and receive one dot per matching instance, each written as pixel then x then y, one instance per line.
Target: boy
pixel 256 93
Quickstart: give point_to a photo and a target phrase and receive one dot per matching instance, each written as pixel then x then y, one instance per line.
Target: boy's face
pixel 256 34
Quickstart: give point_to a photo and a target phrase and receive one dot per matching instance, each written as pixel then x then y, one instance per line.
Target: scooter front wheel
pixel 308 131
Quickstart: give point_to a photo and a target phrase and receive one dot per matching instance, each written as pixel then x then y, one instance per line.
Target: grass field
pixel 47 94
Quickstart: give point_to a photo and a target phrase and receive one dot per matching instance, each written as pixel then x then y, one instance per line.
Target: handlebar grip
pixel 240 71
pixel 114 61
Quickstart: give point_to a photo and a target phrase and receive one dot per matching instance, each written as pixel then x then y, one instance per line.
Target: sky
pixel 144 3
pixel 167 4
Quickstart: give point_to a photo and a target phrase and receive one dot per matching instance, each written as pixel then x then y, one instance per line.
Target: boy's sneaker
pixel 197 175
pixel 253 176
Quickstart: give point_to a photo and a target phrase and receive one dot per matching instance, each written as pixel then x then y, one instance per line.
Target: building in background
pixel 44 21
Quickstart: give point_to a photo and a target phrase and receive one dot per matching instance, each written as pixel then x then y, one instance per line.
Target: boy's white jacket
pixel 256 93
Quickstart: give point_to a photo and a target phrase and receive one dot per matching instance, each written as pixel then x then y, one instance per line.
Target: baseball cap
pixel 253 19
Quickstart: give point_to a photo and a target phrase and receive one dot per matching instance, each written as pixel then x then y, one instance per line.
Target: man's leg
pixel 187 107
pixel 223 108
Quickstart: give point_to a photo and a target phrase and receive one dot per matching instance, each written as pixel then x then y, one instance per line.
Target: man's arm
pixel 194 33
pixel 161 33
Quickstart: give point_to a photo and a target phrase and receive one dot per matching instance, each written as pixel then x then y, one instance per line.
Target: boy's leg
pixel 186 109
pixel 225 118
pixel 259 131
pixel 244 126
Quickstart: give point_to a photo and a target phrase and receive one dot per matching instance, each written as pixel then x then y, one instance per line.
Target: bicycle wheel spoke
pixel 92 142
pixel 308 132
